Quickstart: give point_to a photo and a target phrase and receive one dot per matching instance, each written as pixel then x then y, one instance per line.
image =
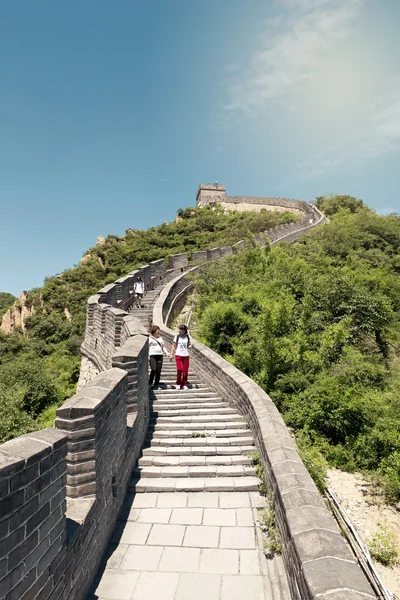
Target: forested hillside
pixel 39 370
pixel 317 325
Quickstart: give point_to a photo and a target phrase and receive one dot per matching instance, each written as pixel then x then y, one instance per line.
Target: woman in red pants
pixel 180 349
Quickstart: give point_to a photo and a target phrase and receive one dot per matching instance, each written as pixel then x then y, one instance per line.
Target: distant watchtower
pixel 210 192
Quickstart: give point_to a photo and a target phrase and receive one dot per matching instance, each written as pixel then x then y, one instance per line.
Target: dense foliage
pixel 39 370
pixel 317 325
pixel 6 301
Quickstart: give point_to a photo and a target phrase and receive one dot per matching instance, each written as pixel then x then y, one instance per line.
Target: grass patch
pixel 272 541
pixel 256 460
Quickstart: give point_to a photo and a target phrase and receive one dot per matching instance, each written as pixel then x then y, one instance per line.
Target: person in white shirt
pixel 138 288
pixel 180 349
pixel 156 351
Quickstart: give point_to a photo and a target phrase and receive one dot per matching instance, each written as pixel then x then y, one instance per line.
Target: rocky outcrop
pixel 16 316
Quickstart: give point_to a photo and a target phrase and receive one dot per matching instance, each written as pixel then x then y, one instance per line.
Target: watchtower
pixel 210 192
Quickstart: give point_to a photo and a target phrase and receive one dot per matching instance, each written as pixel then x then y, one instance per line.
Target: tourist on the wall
pixel 180 350
pixel 156 351
pixel 138 288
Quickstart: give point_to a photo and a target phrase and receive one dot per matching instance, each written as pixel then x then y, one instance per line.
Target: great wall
pixel 121 501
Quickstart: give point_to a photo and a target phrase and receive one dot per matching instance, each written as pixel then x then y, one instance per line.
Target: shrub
pixel 314 462
pixel 384 546
pixel 389 469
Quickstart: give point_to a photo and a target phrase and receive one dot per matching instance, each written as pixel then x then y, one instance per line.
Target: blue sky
pixel 112 113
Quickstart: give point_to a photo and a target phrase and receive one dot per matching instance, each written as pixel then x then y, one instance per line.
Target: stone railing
pixel 61 488
pixel 318 561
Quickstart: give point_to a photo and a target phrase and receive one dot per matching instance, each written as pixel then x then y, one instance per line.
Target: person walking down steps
pixel 156 351
pixel 138 288
pixel 180 349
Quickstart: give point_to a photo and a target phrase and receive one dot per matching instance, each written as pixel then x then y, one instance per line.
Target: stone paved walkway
pixel 189 546
pixel 189 529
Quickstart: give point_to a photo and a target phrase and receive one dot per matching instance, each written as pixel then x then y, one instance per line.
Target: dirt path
pixel 367 511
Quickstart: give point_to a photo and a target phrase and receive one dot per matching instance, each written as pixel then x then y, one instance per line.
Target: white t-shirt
pixel 155 345
pixel 139 287
pixel 182 345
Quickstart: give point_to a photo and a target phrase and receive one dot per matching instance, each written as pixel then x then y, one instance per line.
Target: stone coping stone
pixel 135 327
pixel 106 288
pixel 95 299
pixel 20 452
pixel 131 349
pixel 93 395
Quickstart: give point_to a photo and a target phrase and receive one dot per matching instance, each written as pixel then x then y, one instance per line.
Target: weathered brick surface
pixel 316 556
pixel 178 261
pixel 199 256
pixel 27 509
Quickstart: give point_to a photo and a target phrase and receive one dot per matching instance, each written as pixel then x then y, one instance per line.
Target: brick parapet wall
pixel 50 551
pixel 318 561
pixel 32 511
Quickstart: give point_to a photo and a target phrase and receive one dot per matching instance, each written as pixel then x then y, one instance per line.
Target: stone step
pixel 178 402
pixel 181 398
pixel 192 411
pixel 191 433
pixel 223 450
pixel 192 461
pixel 174 412
pixel 234 440
pixel 193 471
pixel 169 366
pixel 174 394
pixel 226 420
pixel 169 384
pixel 197 427
pixel 193 484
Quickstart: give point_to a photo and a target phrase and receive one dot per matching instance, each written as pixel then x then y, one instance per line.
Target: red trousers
pixel 182 369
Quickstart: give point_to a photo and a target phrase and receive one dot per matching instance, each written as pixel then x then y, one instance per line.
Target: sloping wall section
pixel 61 488
pixel 318 561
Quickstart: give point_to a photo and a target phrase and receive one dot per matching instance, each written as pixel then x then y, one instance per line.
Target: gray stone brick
pixel 38 518
pixel 9 581
pixel 331 574
pixel 24 513
pixel 50 555
pixel 11 541
pixel 315 544
pixel 11 503
pixel 23 550
pixel 19 590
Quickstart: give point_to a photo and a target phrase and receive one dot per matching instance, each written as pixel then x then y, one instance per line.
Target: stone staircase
pixel 190 526
pixel 195 442
pixel 142 314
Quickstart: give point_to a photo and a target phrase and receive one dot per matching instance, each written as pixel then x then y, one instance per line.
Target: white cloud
pixel 292 47
pixel 380 134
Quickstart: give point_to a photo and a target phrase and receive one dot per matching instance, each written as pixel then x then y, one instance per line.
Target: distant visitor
pixel 138 287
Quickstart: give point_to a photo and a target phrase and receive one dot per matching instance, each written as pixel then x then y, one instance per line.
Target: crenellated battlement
pixel 209 193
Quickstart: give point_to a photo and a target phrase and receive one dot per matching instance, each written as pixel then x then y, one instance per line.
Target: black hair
pixel 184 327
